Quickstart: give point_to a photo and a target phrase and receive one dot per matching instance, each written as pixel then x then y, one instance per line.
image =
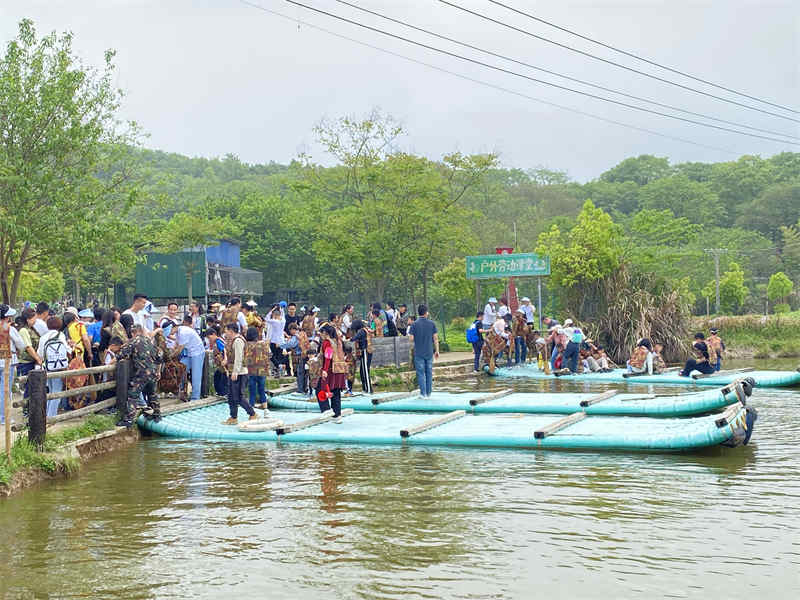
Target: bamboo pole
pixel 73 373
pixel 83 390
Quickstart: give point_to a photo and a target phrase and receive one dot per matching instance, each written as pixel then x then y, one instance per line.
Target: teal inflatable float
pixel 458 428
pixel 506 401
pixel 762 378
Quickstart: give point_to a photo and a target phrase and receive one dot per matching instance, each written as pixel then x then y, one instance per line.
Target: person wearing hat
pixel 11 343
pixel 716 344
pixel 490 313
pixel 77 336
pixel 528 309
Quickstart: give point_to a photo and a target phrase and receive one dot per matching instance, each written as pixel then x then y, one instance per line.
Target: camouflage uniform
pixel 146 360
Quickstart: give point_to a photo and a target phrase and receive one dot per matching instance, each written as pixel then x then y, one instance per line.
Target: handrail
pixel 73 372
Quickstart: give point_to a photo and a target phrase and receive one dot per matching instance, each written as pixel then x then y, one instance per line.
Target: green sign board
pixel 496 266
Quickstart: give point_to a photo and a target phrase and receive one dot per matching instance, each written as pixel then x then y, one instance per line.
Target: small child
pixel 314 367
pixel 217 346
pixel 659 364
pixel 718 346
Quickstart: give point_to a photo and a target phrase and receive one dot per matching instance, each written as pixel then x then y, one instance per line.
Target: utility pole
pixel 716 252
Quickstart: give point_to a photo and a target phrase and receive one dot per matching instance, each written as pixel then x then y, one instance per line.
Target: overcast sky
pixel 206 78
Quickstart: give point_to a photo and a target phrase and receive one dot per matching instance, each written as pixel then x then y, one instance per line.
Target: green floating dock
pixel 513 430
pixel 762 378
pixel 695 403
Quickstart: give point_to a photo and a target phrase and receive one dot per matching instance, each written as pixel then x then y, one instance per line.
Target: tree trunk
pixel 425 287
pixel 23 258
pixel 189 286
pixel 77 299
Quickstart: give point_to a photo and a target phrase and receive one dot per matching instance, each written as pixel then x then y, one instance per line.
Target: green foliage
pixel 779 287
pixel 782 308
pixel 695 201
pixel 67 180
pixel 732 290
pixel 641 170
pixel 38 286
pixel 777 206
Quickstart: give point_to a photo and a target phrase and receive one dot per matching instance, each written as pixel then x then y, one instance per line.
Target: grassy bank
pixel 757 336
pixel 26 456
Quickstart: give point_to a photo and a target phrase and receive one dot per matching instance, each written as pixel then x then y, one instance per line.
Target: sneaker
pixel 327 413
pixel 231 421
pixel 124 423
pixel 147 411
pixel 337 420
pixel 266 411
pixel 253 417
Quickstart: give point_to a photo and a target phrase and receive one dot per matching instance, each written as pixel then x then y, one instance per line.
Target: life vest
pixel 302 340
pixel 638 357
pixel 659 365
pixel 257 356
pixel 228 316
pixel 5 341
pixel 232 351
pixel 339 361
pixel 308 324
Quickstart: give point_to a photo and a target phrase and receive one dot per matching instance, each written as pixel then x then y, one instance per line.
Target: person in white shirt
pixel 137 311
pixel 500 328
pixel 503 309
pixel 10 336
pixel 490 313
pixel 528 309
pixel 276 321
pixel 42 314
pixel 187 338
pixel 347 318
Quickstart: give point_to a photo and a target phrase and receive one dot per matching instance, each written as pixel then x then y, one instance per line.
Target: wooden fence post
pixel 397 352
pixel 37 407
pixel 123 381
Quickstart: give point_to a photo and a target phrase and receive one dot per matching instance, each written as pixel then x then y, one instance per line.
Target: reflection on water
pixel 188 519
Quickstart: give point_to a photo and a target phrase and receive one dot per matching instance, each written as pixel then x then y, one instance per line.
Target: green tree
pixel 641 170
pixel 732 290
pixel 392 214
pixel 779 287
pixel 778 205
pixel 739 182
pixel 586 254
pixel 685 198
pixel 65 155
pixel 790 249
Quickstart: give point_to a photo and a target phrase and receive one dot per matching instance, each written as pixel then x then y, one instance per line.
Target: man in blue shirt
pixel 425 337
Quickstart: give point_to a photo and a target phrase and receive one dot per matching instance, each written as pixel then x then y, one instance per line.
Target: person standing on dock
pixel 334 373
pixel 145 362
pixel 237 367
pixel 425 337
pixel 490 313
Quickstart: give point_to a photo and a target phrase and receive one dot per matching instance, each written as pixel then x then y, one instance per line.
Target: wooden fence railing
pixel 38 396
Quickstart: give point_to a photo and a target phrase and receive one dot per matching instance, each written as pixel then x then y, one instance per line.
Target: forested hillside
pixel 321 231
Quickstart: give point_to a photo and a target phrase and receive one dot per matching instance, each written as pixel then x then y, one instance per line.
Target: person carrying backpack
pixel 54 351
pixel 475 337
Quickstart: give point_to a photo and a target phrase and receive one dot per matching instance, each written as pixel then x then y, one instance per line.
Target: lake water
pixel 186 519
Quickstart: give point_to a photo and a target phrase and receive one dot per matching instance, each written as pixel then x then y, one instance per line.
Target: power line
pixel 637 57
pixel 555 85
pixel 616 64
pixel 568 77
pixel 489 85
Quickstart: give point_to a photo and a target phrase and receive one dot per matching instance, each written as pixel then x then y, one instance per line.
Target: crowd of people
pixel 167 350
pixel 565 349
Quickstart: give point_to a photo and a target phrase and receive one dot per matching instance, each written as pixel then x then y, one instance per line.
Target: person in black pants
pixel 363 358
pixel 570 357
pixel 237 367
pixel 700 361
pixel 477 347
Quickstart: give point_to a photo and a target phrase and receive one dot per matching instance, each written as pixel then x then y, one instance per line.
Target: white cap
pixel 525 299
pixel 71 309
pixel 568 322
pixel 251 303
pixel 493 299
pixel 315 309
pixel 12 312
pixel 519 310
